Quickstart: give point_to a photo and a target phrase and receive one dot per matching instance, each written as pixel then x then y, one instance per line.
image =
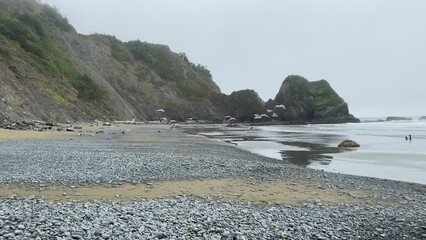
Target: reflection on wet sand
pixel 316 152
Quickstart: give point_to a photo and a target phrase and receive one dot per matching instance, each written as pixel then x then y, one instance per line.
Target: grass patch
pixel 158 57
pixel 323 95
pixel 86 88
pixel 47 90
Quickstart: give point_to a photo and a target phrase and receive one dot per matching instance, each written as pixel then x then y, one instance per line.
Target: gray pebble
pixel 84 162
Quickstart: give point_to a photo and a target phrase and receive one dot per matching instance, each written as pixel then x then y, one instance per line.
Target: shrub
pixel 13 29
pixel 86 88
pixel 159 57
pixel 56 18
pixel 118 49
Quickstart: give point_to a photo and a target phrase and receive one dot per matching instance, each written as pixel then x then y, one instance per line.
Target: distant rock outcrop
pixel 314 102
pixel 242 105
pixel 398 119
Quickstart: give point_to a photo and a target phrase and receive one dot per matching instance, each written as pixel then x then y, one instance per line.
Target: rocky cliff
pixel 303 101
pixel 50 72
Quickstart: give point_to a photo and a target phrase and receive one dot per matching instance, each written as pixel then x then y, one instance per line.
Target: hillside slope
pixel 48 71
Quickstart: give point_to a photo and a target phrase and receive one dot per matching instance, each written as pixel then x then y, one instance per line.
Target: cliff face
pixel 50 72
pixel 314 102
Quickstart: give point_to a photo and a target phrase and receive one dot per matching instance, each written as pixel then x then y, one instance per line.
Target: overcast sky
pixel 373 53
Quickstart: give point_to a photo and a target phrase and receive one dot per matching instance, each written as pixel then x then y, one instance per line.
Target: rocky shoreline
pixel 183 218
pixel 396 210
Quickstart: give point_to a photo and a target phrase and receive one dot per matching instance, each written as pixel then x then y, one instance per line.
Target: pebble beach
pixel 154 182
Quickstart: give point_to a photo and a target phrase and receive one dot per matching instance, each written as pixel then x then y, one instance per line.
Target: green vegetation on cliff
pixel 159 58
pixel 86 88
pixel 323 95
pixel 32 33
pixel 119 51
pixel 194 82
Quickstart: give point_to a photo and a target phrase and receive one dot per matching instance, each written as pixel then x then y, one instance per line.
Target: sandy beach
pixel 12 135
pixel 281 192
pixel 162 167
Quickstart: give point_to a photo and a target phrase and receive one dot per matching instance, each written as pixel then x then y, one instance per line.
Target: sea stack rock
pixel 314 102
pixel 398 119
pixel 243 105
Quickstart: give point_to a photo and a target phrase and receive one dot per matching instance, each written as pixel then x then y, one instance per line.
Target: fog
pixel 371 52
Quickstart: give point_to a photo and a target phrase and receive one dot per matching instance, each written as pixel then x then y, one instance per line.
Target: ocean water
pixel 384 152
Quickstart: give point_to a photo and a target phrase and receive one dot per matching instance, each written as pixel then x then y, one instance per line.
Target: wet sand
pixel 11 135
pixel 287 192
pixel 149 132
pixel 280 191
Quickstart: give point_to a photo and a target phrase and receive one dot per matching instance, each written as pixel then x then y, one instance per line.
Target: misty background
pixel 373 53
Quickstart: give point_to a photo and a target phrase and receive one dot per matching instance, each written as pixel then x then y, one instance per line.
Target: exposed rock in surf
pixel 348 144
pixel 398 119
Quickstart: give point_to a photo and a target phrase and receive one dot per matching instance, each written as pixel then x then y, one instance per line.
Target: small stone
pixel 31 197
pixel 76 236
pixel 9 235
pixel 240 237
pixel 160 235
pixel 13 197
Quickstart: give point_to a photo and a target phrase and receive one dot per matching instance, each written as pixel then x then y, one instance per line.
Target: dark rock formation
pixel 348 144
pixel 314 102
pixel 398 119
pixel 28 125
pixel 242 105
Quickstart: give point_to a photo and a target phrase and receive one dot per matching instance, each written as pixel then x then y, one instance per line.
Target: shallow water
pixel 384 152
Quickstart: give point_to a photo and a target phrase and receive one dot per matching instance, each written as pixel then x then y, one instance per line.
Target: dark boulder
pixel 348 144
